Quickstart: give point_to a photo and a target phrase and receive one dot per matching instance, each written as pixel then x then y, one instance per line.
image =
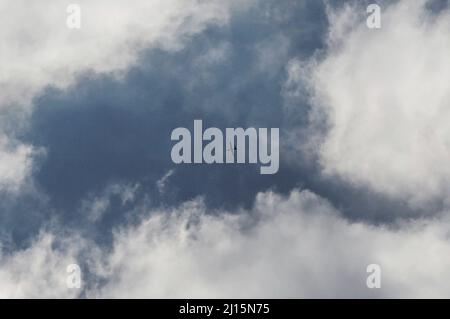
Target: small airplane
pixel 232 149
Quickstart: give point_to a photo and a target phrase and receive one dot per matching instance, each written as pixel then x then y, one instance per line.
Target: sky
pixel 86 175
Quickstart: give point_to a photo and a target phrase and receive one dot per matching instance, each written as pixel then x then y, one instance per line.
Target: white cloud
pixel 296 246
pixel 40 50
pixel 37 272
pixel 161 184
pixel 386 98
pixel 15 164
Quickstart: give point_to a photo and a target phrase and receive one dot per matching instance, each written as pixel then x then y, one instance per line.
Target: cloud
pixel 296 246
pixel 96 206
pixel 161 184
pixel 39 271
pixel 384 96
pixel 44 51
pixel 15 164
